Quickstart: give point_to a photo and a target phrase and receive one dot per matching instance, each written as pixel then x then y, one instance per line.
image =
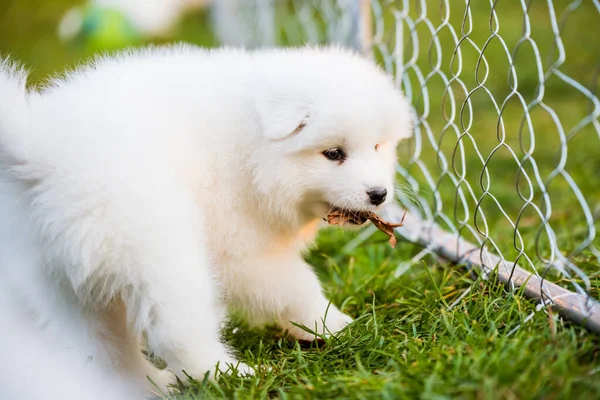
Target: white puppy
pixel 145 193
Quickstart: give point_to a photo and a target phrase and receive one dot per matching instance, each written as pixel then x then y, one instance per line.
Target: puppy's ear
pixel 281 118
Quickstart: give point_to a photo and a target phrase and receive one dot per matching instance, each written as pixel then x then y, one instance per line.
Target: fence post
pixel 364 24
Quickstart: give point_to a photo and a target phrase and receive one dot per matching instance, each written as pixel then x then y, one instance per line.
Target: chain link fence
pixel 503 172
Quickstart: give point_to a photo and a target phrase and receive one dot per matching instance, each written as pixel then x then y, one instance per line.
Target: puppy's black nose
pixel 377 195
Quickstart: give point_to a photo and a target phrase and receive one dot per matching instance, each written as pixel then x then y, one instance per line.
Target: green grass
pixel 406 341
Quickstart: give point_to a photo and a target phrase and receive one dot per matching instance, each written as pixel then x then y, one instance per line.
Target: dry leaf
pixel 341 217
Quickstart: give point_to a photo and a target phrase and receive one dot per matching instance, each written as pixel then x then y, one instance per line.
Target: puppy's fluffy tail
pixel 14 114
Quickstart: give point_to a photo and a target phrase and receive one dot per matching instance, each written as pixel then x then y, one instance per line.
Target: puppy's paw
pixel 226 365
pixel 335 321
pixel 242 369
pixel 161 382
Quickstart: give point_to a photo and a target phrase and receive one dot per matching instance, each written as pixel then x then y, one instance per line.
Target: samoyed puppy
pixel 148 192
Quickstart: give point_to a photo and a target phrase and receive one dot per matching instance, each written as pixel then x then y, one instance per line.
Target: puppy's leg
pixel 174 306
pixel 305 304
pixel 173 295
pixel 287 291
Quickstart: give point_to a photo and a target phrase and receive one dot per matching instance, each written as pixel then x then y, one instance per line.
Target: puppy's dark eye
pixel 335 154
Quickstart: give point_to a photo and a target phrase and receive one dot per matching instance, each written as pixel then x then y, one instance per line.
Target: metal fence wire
pixel 503 172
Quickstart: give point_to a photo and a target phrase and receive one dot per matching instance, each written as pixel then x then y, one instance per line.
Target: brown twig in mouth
pixel 340 217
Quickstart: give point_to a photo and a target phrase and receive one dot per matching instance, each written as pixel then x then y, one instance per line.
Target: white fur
pixel 147 192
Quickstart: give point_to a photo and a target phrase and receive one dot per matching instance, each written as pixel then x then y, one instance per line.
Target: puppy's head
pixel 331 122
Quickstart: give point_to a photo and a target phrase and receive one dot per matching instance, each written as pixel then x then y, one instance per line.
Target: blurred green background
pixel 29 31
